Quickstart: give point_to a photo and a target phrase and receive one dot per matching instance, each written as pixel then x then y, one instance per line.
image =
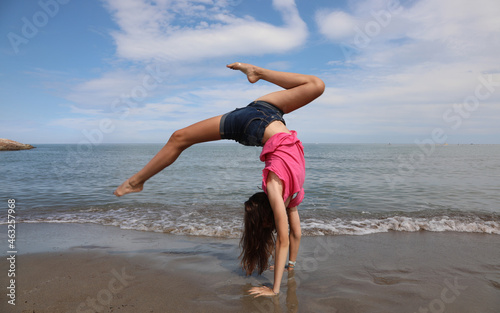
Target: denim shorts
pixel 247 125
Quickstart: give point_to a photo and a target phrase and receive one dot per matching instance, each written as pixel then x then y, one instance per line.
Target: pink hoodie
pixel 283 154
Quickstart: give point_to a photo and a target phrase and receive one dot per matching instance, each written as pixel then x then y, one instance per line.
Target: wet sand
pixel 92 268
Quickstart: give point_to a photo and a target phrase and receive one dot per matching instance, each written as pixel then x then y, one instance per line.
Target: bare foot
pixel 249 69
pixel 127 187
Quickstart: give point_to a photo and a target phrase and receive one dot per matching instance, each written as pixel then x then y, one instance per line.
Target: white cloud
pixel 102 91
pixel 446 31
pixel 408 104
pixel 186 103
pixel 402 76
pixel 164 32
pixel 410 65
pixel 193 30
pixel 335 25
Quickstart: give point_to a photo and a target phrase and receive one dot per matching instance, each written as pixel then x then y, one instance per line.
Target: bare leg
pixel 206 130
pixel 299 90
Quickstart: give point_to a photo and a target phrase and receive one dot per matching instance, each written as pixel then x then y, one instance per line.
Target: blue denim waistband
pixel 267 105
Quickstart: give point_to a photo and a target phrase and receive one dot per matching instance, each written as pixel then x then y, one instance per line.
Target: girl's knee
pixel 318 84
pixel 180 139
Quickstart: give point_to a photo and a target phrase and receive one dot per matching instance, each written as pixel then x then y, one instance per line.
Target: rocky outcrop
pixel 10 145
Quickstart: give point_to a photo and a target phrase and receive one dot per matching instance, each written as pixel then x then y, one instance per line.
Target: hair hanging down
pixel 257 242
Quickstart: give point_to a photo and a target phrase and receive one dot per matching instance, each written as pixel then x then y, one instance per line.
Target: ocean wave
pixel 194 224
pixel 399 223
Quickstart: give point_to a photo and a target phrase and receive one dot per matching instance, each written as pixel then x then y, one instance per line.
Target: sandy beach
pixel 92 268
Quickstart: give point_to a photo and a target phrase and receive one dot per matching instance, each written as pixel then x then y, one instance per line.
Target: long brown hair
pixel 258 240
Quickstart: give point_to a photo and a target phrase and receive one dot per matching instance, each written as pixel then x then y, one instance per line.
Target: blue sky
pixel 117 71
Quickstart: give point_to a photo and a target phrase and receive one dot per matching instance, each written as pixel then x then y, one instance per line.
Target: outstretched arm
pixel 295 234
pixel 274 193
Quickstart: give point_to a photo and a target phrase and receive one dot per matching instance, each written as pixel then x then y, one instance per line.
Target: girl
pixel 261 123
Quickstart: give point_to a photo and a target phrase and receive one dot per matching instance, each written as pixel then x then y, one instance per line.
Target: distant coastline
pixel 11 145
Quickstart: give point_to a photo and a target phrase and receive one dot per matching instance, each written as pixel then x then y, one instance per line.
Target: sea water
pixel 350 189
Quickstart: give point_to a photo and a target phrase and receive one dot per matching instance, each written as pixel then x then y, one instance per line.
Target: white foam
pixel 231 227
pixel 398 223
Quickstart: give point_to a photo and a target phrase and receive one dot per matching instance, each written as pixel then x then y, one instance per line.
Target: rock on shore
pixel 10 145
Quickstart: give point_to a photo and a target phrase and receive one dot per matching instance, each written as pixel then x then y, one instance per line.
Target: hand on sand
pixel 250 70
pixel 127 187
pixel 262 291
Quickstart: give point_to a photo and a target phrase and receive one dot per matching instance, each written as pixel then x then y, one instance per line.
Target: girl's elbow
pixel 297 234
pixel 282 242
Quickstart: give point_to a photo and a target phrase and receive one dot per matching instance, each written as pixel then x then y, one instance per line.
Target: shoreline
pixel 93 268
